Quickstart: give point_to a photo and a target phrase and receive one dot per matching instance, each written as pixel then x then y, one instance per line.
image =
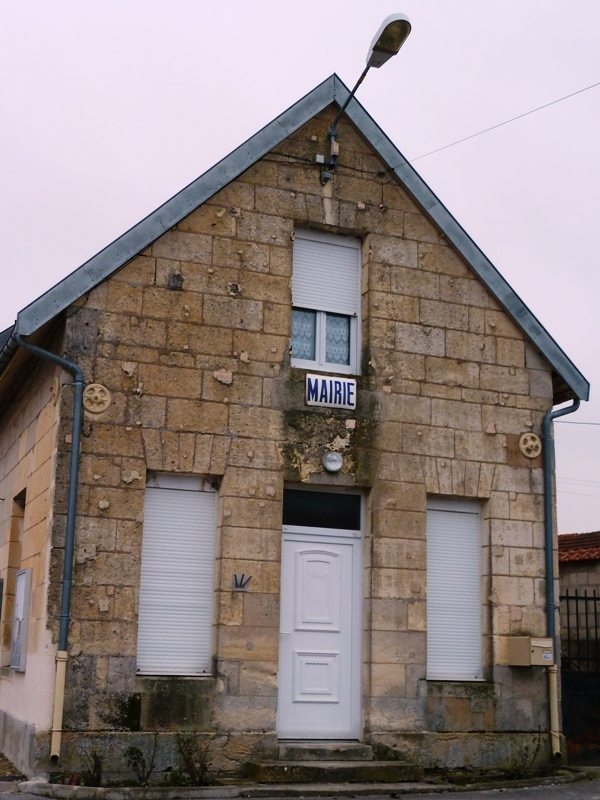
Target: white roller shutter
pixel 176 586
pixel 453 591
pixel 326 273
pixel 20 621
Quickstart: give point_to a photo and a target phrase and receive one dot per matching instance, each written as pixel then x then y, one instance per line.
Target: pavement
pixel 41 788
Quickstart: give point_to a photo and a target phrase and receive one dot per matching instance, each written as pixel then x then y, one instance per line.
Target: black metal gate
pixel 580 669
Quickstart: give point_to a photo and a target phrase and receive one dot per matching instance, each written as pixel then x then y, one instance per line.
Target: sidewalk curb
pixel 59 791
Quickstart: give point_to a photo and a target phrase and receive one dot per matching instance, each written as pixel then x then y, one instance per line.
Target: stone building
pixel 579 566
pixel 579 562
pixel 304 499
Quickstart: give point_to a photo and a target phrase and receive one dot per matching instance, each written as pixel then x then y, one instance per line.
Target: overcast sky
pixel 109 108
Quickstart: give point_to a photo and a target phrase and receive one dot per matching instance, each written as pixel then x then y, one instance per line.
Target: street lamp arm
pixel 333 127
pixel 390 37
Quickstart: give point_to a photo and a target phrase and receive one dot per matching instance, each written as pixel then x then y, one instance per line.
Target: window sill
pixel 455 680
pixel 453 688
pixel 327 369
pixel 151 676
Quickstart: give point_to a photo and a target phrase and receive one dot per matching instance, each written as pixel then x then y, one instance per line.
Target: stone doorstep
pixel 328 772
pixel 325 751
pixel 330 762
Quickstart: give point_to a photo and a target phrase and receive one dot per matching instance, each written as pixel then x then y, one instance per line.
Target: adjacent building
pixel 579 565
pixel 579 562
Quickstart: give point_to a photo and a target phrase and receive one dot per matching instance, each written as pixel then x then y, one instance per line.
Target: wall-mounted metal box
pixel 527 651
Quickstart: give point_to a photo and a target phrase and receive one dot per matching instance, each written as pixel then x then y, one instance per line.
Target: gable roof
pixel 5 336
pixel 579 547
pixel 571 382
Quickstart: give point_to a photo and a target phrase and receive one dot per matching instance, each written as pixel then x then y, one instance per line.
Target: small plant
pixel 177 777
pixel 92 776
pixel 136 760
pixel 195 757
pixel 536 749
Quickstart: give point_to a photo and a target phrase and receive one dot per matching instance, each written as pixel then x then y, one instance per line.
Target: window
pixel 453 590
pixel 321 509
pixel 325 299
pixel 176 584
pixel 12 618
pixel 18 645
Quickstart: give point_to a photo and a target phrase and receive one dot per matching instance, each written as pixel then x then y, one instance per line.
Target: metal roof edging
pixel 133 241
pixel 8 347
pixel 462 242
pixel 332 89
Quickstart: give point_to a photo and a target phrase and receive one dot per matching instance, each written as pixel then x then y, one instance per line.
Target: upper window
pixel 321 509
pixel 325 299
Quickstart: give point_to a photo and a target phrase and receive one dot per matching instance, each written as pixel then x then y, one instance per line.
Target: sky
pixel 109 108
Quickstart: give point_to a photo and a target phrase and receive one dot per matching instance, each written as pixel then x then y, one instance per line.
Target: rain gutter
pixel 67 582
pixel 548 465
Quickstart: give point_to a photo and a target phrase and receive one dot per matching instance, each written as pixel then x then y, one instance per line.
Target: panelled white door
pixel 319 649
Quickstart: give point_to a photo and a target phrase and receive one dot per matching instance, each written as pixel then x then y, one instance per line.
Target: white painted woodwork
pixel 454 607
pixel 319 662
pixel 177 585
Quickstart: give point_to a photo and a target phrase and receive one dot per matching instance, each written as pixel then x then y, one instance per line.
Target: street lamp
pixel 388 40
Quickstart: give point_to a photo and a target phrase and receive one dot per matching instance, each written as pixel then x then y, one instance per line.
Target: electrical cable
pixel 505 122
pixel 593 424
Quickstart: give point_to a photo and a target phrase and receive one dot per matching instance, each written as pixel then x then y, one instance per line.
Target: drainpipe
pixel 67 582
pixel 548 461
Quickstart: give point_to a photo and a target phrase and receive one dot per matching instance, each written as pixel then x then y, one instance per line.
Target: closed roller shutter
pixel 326 273
pixel 453 591
pixel 176 587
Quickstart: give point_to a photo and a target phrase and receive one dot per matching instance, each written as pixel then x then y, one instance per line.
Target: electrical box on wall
pixel 528 651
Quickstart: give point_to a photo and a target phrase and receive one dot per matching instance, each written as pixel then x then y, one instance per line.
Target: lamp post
pixel 388 40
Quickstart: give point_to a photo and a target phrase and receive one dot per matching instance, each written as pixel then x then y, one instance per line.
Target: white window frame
pixel 454 594
pixel 176 595
pixel 314 289
pixel 20 621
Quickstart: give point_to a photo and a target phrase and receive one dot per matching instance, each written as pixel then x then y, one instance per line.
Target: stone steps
pixel 330 762
pixel 325 751
pixel 333 772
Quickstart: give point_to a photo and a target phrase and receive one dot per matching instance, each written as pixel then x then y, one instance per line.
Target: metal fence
pixel 580 670
pixel 580 631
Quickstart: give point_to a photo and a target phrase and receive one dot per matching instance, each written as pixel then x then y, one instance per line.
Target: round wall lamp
pixel 332 461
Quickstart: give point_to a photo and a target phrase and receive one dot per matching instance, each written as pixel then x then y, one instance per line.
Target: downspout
pixel 67 582
pixel 548 462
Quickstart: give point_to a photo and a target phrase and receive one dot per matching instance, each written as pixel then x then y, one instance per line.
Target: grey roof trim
pixel 5 336
pixel 462 242
pixel 8 345
pixel 107 261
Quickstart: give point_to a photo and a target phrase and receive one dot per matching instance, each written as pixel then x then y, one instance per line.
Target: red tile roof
pixel 579 547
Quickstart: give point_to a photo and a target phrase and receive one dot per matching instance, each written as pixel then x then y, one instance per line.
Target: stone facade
pixel 191 338
pixel 581 576
pixel 579 562
pixel 28 446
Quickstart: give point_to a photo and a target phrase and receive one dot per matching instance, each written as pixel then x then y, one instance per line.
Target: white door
pixel 319 649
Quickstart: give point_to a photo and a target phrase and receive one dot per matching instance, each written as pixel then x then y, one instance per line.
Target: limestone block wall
pixel 581 576
pixel 27 448
pixel 191 338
